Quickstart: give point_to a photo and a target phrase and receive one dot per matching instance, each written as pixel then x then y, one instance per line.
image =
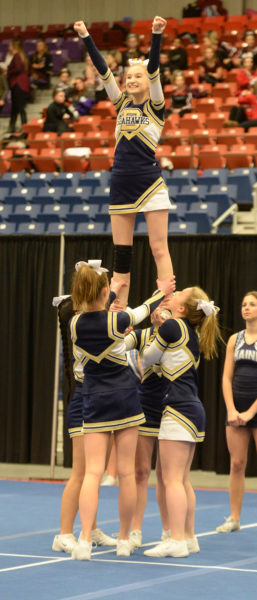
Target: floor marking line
pixel 169 564
pixel 45 562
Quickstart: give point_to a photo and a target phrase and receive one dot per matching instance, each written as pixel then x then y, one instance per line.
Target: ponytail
pixel 86 286
pixel 207 327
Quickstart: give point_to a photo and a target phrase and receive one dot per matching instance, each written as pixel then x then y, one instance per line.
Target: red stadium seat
pixel 230 136
pixel 215 121
pixel 192 121
pixel 43 139
pixel 33 126
pixel 202 137
pixel 108 125
pixel 104 108
pixel 95 139
pixel 208 105
pixel 70 139
pixel 222 91
pixel 101 159
pixel 49 160
pixel 185 157
pixel 240 156
pixel 212 156
pixel 23 159
pixel 177 137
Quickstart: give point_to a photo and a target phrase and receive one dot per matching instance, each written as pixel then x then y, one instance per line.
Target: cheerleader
pixel 136 181
pixel 151 390
pixel 110 400
pixel 65 540
pixel 239 385
pixel 179 341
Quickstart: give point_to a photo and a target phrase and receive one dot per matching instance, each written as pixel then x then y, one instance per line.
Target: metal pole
pixel 57 361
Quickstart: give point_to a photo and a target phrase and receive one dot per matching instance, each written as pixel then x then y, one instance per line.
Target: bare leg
pixel 238 441
pixel 111 465
pixel 157 224
pixel 96 445
pixel 174 457
pixel 144 451
pixel 122 234
pixel 70 497
pixel 161 495
pixel 126 442
pixel 190 516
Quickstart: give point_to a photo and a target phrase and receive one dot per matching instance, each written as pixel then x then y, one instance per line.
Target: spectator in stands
pixel 40 66
pixel 18 80
pixel 178 56
pixel 227 54
pixel 165 72
pixel 59 116
pixel 244 115
pixel 95 86
pixel 245 75
pixel 210 69
pixel 80 100
pixel 132 43
pixel 64 82
pixel 249 45
pixel 113 60
pixel 3 89
pixel 181 95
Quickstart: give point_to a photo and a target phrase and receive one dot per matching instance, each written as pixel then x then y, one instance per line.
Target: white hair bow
pixel 95 264
pixel 58 299
pixel 206 306
pixel 137 61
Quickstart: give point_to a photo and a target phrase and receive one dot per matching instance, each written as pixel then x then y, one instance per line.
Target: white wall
pixel 25 12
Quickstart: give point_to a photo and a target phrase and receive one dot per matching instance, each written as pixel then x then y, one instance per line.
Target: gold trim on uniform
pixel 106 76
pixel 148 108
pixel 155 75
pixel 75 431
pixel 116 209
pixel 114 425
pixel 184 422
pixel 178 371
pixel 84 356
pixel 148 431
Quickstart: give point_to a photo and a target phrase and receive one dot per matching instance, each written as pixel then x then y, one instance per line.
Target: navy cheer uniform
pixel 176 347
pixel 152 387
pixel 136 181
pixel 244 384
pixel 110 399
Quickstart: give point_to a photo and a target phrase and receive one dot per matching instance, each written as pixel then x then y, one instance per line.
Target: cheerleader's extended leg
pixel 122 233
pixel 126 442
pixel 157 224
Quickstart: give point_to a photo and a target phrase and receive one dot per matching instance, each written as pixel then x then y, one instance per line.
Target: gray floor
pixel 202 479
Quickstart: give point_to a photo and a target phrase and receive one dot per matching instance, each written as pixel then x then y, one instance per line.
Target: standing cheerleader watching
pixel 136 181
pixel 239 386
pixel 110 400
pixel 178 344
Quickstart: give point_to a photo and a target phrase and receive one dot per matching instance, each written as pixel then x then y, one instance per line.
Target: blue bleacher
pixel 32 210
pixel 210 209
pixel 65 180
pixel 33 228
pixel 201 219
pixel 7 228
pixel 5 210
pixel 179 209
pixel 211 177
pixel 224 195
pixel 244 179
pixel 191 193
pixel 21 194
pixel 173 190
pixel 36 180
pixel 83 208
pixel 48 194
pixel 76 194
pixel 182 177
pixel 183 228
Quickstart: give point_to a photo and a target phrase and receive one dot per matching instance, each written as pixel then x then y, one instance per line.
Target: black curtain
pixel 29 268
pixel 225 266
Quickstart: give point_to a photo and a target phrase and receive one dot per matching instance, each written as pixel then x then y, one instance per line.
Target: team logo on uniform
pixel 131 121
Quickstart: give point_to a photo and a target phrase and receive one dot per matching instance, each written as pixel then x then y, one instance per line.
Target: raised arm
pixel 156 93
pixel 138 314
pixel 100 64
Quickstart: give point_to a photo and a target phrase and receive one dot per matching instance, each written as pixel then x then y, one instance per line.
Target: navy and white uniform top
pixel 136 174
pixel 153 386
pixel 244 383
pixel 109 390
pixel 176 348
